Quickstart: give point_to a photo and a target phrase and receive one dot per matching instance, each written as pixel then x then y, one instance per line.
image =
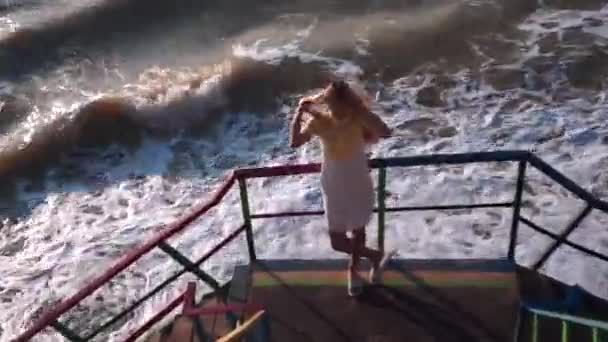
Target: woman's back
pixel 348 190
pixel 341 139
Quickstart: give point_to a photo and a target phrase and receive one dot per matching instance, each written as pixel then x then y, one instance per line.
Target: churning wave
pixel 117 116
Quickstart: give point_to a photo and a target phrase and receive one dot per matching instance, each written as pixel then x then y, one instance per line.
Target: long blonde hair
pixel 359 89
pixel 343 94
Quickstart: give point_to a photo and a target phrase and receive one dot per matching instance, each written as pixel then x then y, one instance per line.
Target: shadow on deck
pixel 420 300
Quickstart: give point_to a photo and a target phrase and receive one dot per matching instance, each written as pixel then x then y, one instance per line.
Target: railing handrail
pixel 124 262
pixel 295 169
pixel 436 159
pixel 589 322
pixel 567 183
pixel 430 159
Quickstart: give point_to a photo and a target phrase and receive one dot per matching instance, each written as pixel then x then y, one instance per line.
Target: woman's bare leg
pixel 374 256
pixel 355 247
pixel 356 254
pixel 342 243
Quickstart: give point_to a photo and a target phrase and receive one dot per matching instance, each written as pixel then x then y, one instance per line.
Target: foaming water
pixel 19 14
pixel 189 123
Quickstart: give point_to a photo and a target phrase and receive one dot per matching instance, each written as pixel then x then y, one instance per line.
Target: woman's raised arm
pixel 308 100
pixel 375 126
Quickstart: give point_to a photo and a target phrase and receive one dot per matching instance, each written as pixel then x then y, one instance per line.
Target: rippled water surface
pixel 117 116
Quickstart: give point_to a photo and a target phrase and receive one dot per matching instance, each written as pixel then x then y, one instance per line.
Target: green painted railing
pixel 596 328
pixel 50 318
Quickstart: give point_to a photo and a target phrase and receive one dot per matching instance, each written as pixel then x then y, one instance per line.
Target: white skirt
pixel 348 193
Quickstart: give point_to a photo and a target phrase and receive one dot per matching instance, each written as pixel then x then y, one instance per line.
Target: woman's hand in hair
pixel 306 106
pixel 312 99
pixel 298 136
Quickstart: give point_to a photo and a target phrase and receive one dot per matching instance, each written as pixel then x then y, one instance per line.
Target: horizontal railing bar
pixel 454 158
pixel 168 281
pixel 391 209
pixel 567 242
pixel 156 318
pixel 433 159
pixel 453 207
pixel 288 214
pixel 567 183
pixel 124 262
pixel 277 171
pixel 592 323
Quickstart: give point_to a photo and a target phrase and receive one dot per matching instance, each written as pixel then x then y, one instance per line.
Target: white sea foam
pixel 76 229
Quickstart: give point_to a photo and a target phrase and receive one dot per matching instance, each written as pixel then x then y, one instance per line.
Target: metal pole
pixel 595 335
pixel 534 327
pixel 381 206
pixel 521 175
pixel 565 331
pixel 247 218
pixel 569 229
pixel 519 330
pixel 191 267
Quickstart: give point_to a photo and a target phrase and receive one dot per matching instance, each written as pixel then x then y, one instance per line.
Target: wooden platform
pixel 430 300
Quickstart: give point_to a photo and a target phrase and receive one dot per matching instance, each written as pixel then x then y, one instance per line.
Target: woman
pixel 348 192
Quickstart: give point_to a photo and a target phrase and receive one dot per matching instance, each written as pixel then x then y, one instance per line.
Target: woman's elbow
pixel 370 140
pixel 298 139
pixel 385 132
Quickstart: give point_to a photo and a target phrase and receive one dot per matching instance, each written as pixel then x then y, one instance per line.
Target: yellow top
pixel 341 139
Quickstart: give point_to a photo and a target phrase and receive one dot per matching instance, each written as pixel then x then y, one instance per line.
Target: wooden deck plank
pixel 427 302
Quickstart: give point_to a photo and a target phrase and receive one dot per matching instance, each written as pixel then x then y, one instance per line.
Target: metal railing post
pixel 247 218
pixel 381 206
pixel 521 175
pixel 565 334
pixel 534 327
pixel 594 335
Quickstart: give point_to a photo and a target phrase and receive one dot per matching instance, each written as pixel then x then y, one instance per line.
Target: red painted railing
pixel 186 298
pixel 190 309
pixel 156 318
pixel 50 317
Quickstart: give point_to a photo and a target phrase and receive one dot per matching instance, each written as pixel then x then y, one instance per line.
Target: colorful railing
pixel 189 309
pixel 597 330
pixel 523 158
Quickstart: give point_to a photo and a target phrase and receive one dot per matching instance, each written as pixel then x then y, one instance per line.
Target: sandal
pixel 375 274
